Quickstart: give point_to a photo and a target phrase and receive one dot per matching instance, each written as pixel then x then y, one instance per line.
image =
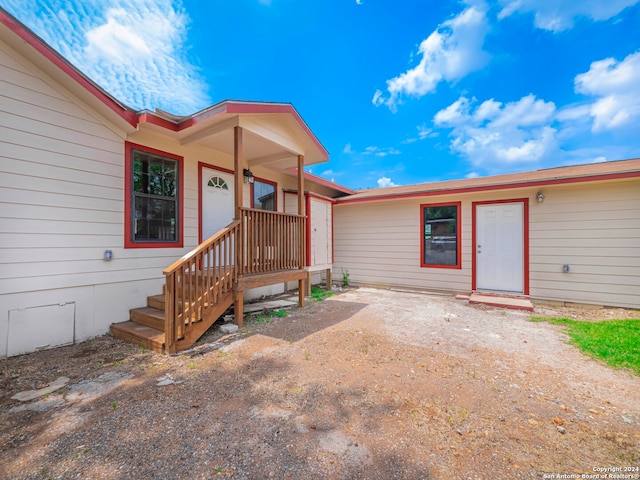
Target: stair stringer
pixel 209 317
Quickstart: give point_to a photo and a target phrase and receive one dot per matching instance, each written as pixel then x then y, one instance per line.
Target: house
pixel 103 207
pixel 567 234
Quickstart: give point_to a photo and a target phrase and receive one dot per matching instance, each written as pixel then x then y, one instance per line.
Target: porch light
pixel 540 197
pixel 248 176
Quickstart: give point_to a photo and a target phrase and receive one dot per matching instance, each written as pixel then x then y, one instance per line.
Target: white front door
pixel 500 247
pixel 217 201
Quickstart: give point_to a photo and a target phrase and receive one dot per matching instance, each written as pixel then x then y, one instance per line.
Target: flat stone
pixel 270 305
pixel 167 380
pixel 229 328
pixel 31 394
pixel 91 389
pixel 41 405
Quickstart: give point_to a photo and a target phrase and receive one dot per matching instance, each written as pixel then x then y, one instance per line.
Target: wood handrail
pixel 275 214
pixel 272 241
pixel 198 285
pixel 200 248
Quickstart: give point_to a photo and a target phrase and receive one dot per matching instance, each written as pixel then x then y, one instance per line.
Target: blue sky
pixel 399 92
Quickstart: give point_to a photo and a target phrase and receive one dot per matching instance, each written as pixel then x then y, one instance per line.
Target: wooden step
pixel 150 317
pixel 140 334
pixel 156 301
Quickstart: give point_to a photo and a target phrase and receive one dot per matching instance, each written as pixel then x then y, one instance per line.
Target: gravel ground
pixel 370 384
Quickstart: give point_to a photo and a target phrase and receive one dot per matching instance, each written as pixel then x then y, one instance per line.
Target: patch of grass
pixel 345 277
pixel 318 294
pixel 266 317
pixel 615 342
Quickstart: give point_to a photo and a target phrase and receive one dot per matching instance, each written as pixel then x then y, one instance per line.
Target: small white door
pixel 217 201
pixel 500 247
pixel 320 232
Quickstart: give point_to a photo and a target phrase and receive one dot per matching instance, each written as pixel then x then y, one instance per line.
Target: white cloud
pixel 359 2
pixel 616 86
pixel 448 54
pixel 558 15
pixel 134 49
pixel 381 152
pixel 372 150
pixel 494 134
pixel 425 132
pixel 384 182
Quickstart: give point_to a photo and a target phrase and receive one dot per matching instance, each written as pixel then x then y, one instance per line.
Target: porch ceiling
pixel 273 140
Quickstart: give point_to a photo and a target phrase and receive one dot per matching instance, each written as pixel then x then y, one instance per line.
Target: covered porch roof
pixel 274 134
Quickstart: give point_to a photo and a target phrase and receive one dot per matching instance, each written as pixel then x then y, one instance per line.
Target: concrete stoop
pixel 513 302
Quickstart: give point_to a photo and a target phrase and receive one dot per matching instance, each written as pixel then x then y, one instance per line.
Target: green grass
pixel 615 342
pixel 266 317
pixel 318 294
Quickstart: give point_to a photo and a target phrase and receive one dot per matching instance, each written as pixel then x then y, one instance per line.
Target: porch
pixel 260 248
pixel 257 249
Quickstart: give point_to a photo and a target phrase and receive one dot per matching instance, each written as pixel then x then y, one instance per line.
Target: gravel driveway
pixel 370 384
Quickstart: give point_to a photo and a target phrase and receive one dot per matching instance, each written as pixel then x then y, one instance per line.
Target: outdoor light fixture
pixel 540 197
pixel 248 176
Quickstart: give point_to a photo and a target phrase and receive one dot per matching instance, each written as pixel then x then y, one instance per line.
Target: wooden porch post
pixel 238 166
pixel 303 243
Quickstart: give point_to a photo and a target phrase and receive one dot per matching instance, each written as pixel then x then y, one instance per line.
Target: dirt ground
pixel 370 384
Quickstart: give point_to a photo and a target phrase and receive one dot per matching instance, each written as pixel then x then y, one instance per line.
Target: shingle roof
pixel 548 176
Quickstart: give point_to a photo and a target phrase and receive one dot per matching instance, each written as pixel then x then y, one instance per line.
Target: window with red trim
pixel 264 195
pixel 153 204
pixel 440 235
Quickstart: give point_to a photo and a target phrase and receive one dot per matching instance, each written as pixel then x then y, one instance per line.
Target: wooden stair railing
pixel 273 241
pixel 199 288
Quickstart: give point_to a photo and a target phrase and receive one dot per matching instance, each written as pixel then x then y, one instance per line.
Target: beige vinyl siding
pixel 60 183
pixel 595 229
pixel 378 243
pixel 62 206
pixel 592 227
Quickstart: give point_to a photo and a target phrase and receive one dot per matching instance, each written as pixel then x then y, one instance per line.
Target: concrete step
pixel 513 302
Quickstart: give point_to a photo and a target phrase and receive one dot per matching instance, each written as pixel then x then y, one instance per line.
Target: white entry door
pixel 500 247
pixel 217 201
pixel 320 232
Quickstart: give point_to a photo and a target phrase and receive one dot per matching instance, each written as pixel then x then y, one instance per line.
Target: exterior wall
pixel 592 227
pixel 595 229
pixel 61 207
pixel 378 244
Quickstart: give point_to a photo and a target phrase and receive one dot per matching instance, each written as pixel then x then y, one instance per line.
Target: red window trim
pixel 264 180
pixel 458 206
pixel 128 242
